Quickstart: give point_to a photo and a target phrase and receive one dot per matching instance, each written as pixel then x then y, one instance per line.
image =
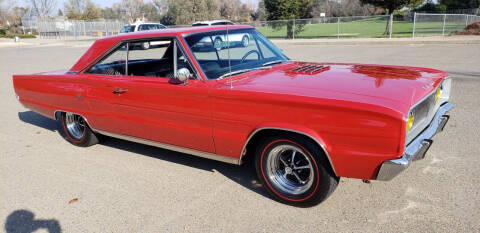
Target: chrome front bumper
pixel 418 147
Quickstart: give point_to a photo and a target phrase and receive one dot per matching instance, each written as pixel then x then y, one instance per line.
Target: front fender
pixel 299 129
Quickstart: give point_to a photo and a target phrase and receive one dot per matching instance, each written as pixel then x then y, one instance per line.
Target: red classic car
pixel 303 124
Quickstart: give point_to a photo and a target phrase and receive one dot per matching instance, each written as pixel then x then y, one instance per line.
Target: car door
pixel 149 105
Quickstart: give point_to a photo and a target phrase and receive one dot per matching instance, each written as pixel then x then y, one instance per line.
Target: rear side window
pixel 142 27
pixel 146 27
pixel 151 58
pixel 199 24
pixel 113 64
pixel 223 23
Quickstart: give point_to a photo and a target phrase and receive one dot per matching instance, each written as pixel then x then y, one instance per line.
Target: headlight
pixel 410 119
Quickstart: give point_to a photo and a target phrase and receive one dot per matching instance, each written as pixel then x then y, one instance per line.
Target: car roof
pixel 135 24
pixel 104 44
pixel 212 21
pixel 170 31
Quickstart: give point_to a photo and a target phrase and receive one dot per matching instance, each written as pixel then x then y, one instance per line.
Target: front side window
pixel 223 52
pixel 151 58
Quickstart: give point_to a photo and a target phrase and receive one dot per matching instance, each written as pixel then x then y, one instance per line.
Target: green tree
pixel 150 12
pixel 287 10
pixel 110 13
pixel 460 4
pixel 260 13
pixel 388 5
pixel 81 10
pixel 392 5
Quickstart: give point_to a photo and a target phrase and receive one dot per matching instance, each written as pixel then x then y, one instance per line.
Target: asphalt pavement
pixel 49 185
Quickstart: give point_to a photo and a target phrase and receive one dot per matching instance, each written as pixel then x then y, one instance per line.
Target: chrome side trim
pixel 288 130
pixel 417 148
pixel 171 147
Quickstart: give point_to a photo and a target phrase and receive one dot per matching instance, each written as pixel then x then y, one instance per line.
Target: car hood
pixel 397 87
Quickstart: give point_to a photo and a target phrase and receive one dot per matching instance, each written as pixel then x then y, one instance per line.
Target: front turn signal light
pixel 410 121
pixel 437 95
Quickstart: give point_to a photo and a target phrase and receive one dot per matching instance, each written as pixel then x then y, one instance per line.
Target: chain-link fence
pixel 379 26
pixel 441 24
pixel 382 26
pixel 326 27
pixel 72 29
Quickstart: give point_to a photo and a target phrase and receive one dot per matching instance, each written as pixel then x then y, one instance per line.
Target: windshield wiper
pixel 273 62
pixel 240 72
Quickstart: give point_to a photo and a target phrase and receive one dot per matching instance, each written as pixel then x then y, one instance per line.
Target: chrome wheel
pixel 75 125
pixel 217 43
pixel 245 41
pixel 289 169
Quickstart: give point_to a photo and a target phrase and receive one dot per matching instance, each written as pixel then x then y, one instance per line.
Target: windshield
pixel 241 50
pixel 126 29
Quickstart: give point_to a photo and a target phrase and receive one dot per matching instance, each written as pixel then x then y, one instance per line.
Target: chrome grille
pixel 423 109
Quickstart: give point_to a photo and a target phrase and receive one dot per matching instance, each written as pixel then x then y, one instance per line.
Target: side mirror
pixel 183 74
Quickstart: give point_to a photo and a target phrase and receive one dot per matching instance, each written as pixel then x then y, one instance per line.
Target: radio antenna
pixel 228 54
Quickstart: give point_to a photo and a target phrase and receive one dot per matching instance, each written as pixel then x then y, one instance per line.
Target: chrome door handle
pixel 119 91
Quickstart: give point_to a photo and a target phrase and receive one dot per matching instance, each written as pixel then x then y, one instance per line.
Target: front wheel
pixel 77 131
pixel 294 170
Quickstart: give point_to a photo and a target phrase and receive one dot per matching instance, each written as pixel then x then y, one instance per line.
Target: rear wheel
pixel 245 41
pixel 217 43
pixel 145 45
pixel 77 131
pixel 294 170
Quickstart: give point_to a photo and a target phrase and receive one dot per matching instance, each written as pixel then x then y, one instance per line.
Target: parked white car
pixel 219 42
pixel 213 22
pixel 142 27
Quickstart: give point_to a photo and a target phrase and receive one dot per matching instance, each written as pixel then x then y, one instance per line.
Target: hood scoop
pixel 309 69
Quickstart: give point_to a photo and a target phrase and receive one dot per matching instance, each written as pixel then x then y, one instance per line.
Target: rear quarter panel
pixel 47 93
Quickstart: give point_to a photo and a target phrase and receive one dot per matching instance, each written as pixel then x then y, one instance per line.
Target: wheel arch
pixel 58 113
pixel 263 131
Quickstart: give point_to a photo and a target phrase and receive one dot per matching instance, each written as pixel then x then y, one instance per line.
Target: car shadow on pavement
pixel 36 119
pixel 244 175
pixel 23 221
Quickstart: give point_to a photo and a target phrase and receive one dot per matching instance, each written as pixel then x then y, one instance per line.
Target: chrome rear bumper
pixel 418 147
